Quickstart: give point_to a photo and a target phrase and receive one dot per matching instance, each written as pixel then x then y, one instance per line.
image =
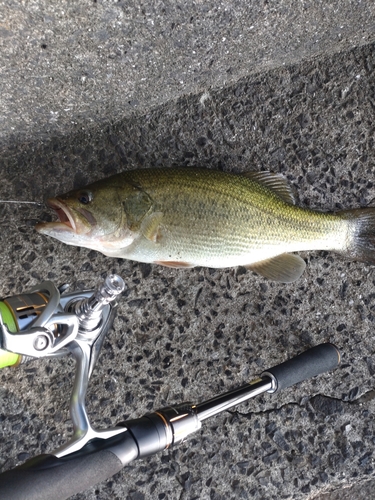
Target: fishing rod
pixel 48 321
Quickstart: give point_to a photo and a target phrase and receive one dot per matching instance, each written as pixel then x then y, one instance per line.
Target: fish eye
pixel 85 197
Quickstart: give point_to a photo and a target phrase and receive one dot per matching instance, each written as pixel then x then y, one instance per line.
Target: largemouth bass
pixel 197 217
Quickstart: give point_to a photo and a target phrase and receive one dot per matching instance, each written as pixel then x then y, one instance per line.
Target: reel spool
pixel 18 313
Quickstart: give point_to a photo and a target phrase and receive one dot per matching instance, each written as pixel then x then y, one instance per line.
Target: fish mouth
pixel 66 222
pixel 63 213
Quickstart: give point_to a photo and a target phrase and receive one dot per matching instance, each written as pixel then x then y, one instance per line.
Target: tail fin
pixel 361 243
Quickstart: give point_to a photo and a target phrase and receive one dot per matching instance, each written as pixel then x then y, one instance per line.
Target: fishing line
pixel 19 202
pixel 6 223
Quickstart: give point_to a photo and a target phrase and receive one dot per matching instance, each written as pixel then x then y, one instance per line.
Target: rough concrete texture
pixel 77 63
pixel 188 334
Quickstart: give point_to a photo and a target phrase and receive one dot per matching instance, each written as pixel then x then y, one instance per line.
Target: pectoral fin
pixel 150 227
pixel 136 206
pixel 285 268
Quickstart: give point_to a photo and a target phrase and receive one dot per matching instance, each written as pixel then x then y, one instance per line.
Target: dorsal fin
pixel 276 182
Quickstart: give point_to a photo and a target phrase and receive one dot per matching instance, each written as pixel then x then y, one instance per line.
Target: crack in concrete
pixel 364 398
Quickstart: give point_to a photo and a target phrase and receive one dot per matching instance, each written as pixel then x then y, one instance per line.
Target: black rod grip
pixel 48 477
pixel 317 360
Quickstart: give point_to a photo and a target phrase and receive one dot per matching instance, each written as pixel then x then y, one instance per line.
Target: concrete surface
pixel 66 65
pixel 363 489
pixel 188 334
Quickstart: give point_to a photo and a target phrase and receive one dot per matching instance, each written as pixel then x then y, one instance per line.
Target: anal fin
pixel 174 264
pixel 284 268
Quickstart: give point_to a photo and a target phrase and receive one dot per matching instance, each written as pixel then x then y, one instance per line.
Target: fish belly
pixel 217 244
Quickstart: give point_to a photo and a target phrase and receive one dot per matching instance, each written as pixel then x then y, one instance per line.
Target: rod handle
pixel 47 477
pixel 319 359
